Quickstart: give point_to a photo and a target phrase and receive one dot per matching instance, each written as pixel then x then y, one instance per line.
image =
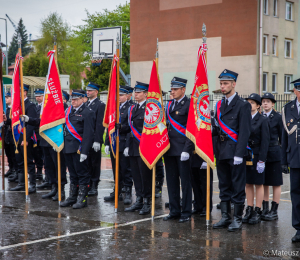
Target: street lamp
pixel 6 58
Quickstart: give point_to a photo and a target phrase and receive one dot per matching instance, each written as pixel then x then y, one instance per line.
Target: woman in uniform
pixel 255 171
pixel 273 171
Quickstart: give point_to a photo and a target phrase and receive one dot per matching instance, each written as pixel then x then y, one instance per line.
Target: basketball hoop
pixel 97 59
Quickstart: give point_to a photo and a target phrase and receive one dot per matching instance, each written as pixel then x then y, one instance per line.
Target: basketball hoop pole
pixel 117 122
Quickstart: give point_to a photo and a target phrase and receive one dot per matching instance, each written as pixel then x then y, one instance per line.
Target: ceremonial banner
pixel 52 112
pixel 154 140
pixel 198 128
pixel 109 119
pixel 16 109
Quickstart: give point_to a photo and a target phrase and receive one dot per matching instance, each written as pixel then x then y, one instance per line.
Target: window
pixel 274 82
pixel 275 6
pixel 288 49
pixel 274 46
pixel 265 82
pixel 289 11
pixel 287 83
pixel 265 45
pixel 266 7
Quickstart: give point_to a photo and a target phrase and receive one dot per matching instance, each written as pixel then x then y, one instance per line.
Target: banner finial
pixel 204 33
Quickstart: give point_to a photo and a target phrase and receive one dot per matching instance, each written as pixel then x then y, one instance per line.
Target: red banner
pixel 52 112
pixel 198 128
pixel 155 140
pixel 16 109
pixel 109 119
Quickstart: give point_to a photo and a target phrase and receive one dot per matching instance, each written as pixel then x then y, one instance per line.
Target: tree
pixel 36 66
pixel 14 48
pixel 69 48
pixel 118 17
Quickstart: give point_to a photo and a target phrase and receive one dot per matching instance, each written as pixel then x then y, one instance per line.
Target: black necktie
pixel 226 104
pixel 88 103
pixel 73 111
pixel 137 107
pixel 265 115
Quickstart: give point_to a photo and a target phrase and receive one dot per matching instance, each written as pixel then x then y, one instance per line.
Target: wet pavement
pixel 40 229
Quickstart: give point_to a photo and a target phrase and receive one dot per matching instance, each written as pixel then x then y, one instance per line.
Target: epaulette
pixel 288 103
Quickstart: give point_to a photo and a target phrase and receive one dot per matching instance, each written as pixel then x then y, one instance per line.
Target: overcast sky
pixel 32 11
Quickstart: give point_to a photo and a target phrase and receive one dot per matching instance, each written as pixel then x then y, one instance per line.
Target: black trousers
pixel 232 181
pixel 179 172
pixel 30 164
pixel 160 172
pixel 79 173
pixel 125 177
pixel 199 185
pixel 38 156
pixel 142 177
pixel 51 166
pixel 94 164
pixel 10 154
pixel 295 196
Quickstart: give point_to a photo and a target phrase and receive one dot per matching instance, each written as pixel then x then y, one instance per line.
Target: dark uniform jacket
pixel 260 136
pixel 237 116
pixel 276 128
pixel 291 143
pixel 99 108
pixel 84 122
pixel 196 161
pixel 7 128
pixel 65 106
pixel 30 110
pixel 178 142
pixel 38 111
pixel 137 121
pixel 125 128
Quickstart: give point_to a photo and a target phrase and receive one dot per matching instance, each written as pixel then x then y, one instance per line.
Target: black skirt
pixel 252 175
pixel 273 174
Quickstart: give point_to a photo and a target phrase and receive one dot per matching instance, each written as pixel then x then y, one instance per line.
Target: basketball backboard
pixel 105 40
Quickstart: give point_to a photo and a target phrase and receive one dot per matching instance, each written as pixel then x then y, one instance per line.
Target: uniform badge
pixel 292 120
pixel 288 124
pixel 225 71
pixel 182 102
pixel 177 112
pixel 292 106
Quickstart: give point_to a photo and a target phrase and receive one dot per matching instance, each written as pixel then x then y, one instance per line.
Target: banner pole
pixel 1 85
pixel 153 192
pixel 117 122
pixel 58 153
pixel 23 112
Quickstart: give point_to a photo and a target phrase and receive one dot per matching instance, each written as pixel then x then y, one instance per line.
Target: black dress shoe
pixel 51 193
pixel 13 177
pixel 203 213
pixel 44 186
pixel 63 195
pixel 169 217
pixel 296 238
pixel 9 172
pixel 32 189
pixel 146 209
pixel 18 188
pixel 184 219
pixel 135 206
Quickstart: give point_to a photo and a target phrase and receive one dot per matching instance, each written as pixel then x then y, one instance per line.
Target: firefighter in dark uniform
pixel 125 178
pixel 37 151
pixel 232 113
pixel 51 164
pixel 79 137
pixel 177 158
pixel 255 170
pixel 66 98
pixel 94 158
pixel 129 94
pixel 291 154
pixel 199 184
pixel 273 171
pixel 30 110
pixel 9 142
pixel 141 174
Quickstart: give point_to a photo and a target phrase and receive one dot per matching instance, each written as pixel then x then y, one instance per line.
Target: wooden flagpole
pixel 154 168
pixel 207 165
pixel 23 112
pixel 58 153
pixel 3 158
pixel 117 122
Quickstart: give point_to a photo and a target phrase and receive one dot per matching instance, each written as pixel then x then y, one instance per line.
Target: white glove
pixel 106 149
pixel 25 118
pixel 237 160
pixel 184 156
pixel 260 167
pixel 203 166
pixel 54 149
pixel 96 146
pixel 126 150
pixel 83 157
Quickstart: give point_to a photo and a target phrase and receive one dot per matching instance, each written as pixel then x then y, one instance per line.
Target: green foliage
pixel 36 66
pixel 118 17
pixel 13 47
pixel 69 48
